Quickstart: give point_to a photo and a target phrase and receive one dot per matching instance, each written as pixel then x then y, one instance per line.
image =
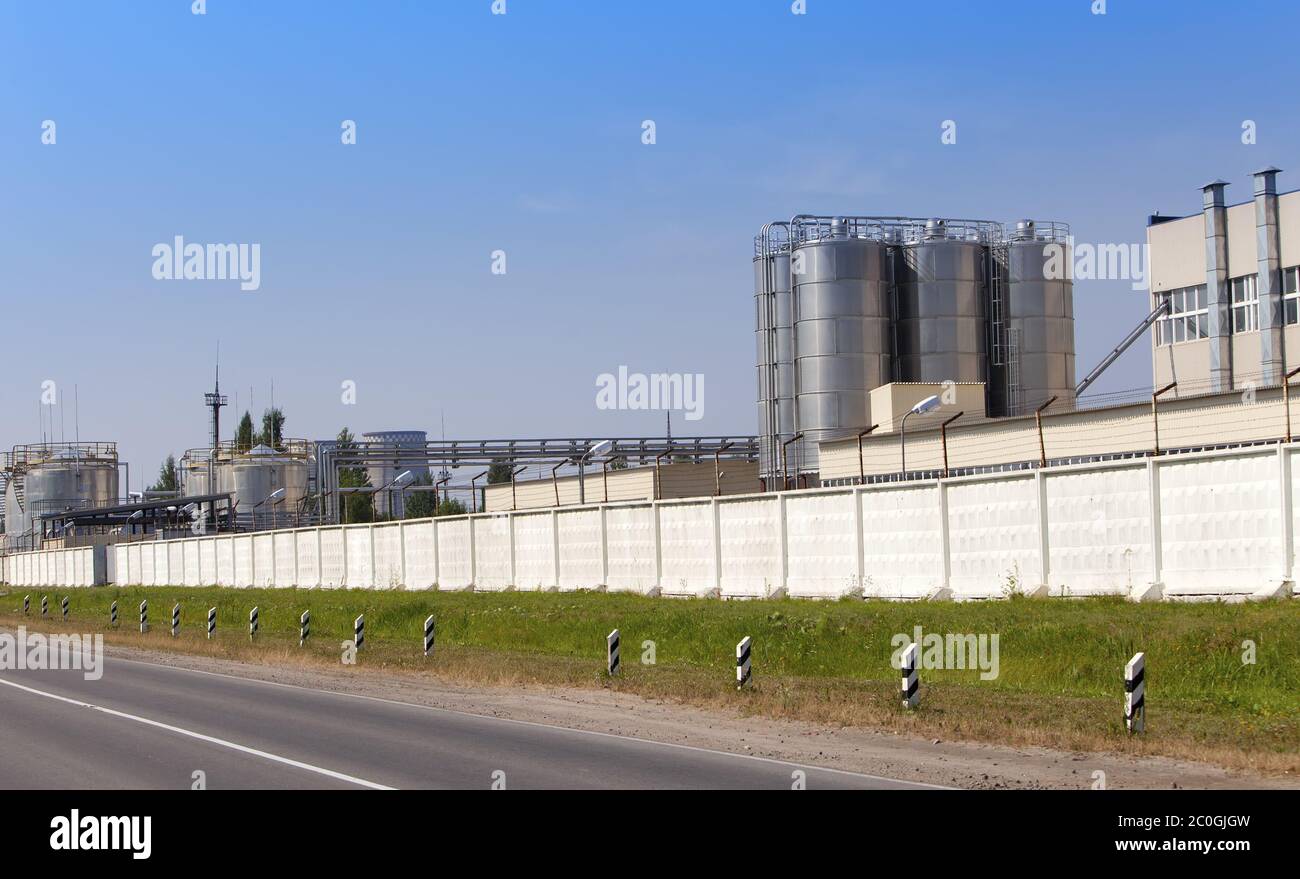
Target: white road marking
pixel 534 723
pixel 234 746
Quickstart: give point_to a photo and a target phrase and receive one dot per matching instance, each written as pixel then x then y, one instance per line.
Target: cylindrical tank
pixel 774 338
pixel 57 479
pixel 941 331
pixel 1040 317
pixel 258 474
pixel 383 472
pixel 841 330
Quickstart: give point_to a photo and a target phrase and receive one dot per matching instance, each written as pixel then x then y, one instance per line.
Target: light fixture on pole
pixel 929 404
pixel 601 448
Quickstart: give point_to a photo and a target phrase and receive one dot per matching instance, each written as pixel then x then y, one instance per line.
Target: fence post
pixel 1044 536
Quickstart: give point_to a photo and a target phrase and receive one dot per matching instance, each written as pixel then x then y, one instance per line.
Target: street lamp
pixel 473 492
pixel 601 448
pixel 273 496
pixel 402 480
pixel 929 404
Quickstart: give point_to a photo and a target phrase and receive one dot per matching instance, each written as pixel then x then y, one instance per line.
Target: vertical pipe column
pixel 1272 319
pixel 1216 286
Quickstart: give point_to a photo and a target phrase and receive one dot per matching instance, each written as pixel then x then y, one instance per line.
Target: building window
pixel 1245 303
pixel 1188 318
pixel 1291 295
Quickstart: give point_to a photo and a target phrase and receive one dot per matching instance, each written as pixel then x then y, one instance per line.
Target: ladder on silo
pixel 1004 342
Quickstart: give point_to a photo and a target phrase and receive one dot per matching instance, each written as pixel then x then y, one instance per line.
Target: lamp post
pixel 442 481
pixel 473 492
pixel 1038 421
pixel 862 471
pixel 717 468
pixel 514 501
pixel 929 404
pixel 1155 415
pixel 400 481
pixel 275 495
pixel 785 460
pixel 600 448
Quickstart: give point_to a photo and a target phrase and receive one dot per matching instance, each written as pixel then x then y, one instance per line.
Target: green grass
pixel 1061 661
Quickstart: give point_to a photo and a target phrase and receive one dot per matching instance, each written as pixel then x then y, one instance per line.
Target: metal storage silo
pixel 54 477
pixel 385 471
pixel 1040 317
pixel 841 331
pixel 259 473
pixel 941 327
pixel 774 341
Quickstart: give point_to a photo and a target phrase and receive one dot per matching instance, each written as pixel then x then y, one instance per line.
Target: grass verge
pixel 1059 670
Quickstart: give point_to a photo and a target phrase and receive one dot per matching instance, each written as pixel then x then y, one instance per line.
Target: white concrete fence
pixel 1213 524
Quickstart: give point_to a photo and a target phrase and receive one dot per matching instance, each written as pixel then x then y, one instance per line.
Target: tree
pixel 244 433
pixel 419 504
pixel 358 506
pixel 451 507
pixel 167 478
pixel 272 433
pixel 500 472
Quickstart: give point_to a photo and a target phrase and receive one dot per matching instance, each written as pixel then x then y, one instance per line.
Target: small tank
pixel 54 477
pixel 260 472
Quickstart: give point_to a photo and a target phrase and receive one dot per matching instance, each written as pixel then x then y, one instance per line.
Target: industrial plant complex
pixel 915 377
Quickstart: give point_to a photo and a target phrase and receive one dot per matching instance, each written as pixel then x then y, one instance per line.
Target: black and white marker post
pixel 144 616
pixel 428 635
pixel 611 652
pixel 359 631
pixel 742 662
pixel 63 605
pixel 304 627
pixel 1135 693
pixel 27 605
pixel 112 615
pixel 212 622
pixel 252 624
pixel 911 682
pixel 176 619
pixel 45 605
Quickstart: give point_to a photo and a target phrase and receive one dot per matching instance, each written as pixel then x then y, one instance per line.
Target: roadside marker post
pixel 611 652
pixel 176 619
pixel 1135 694
pixel 743 672
pixel 63 605
pixel 144 616
pixel 212 621
pixel 45 605
pixel 359 631
pixel 304 627
pixel 428 635
pixel 252 624
pixel 911 680
pixel 27 605
pixel 112 615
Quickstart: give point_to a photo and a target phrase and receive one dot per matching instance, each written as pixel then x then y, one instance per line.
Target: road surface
pixel 144 725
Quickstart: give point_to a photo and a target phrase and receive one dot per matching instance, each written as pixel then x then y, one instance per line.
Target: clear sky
pixel 523 133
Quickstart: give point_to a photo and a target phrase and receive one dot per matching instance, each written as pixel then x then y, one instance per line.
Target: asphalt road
pixel 144 725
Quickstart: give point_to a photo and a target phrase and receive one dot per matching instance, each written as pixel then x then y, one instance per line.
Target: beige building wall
pixel 1188 422
pixel 889 403
pixel 634 484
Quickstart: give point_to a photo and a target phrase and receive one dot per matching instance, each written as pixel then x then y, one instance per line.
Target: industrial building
pixel 1226 282
pixel 845 305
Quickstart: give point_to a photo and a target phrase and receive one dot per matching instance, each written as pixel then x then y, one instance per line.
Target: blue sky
pixel 522 133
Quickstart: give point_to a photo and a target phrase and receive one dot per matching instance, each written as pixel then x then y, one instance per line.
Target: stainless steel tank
pixel 258 474
pixel 384 472
pixel 841 332
pixel 774 343
pixel 1040 317
pixel 941 330
pixel 55 478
